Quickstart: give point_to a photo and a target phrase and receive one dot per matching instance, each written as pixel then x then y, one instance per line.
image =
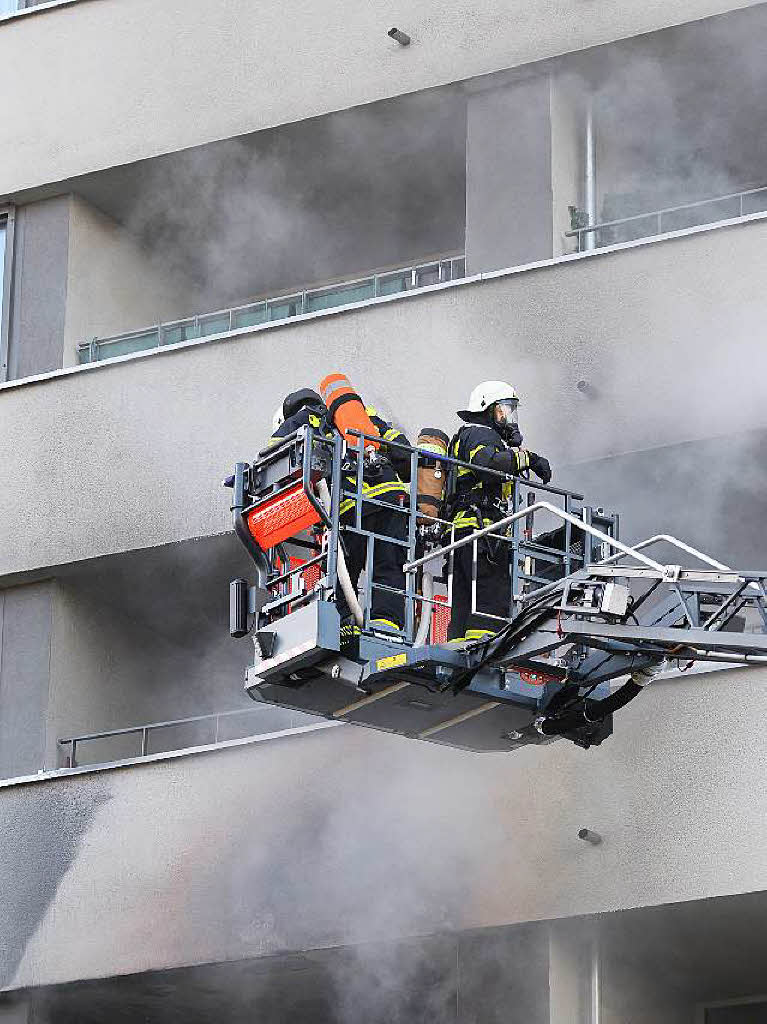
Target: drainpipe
pixel 590 175
pixel 595 983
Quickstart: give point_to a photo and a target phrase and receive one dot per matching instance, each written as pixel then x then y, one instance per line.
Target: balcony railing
pixel 341 293
pixel 672 218
pixel 161 737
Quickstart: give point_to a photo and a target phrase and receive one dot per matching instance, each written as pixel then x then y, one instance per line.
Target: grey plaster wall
pixel 114 284
pixel 344 835
pixel 39 290
pixel 25 653
pixel 97 77
pixel 133 453
pixel 508 176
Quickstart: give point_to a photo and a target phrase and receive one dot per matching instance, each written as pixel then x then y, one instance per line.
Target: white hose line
pixel 427 592
pixel 344 578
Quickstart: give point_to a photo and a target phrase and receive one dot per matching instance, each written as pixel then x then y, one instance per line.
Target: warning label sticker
pixel 391 662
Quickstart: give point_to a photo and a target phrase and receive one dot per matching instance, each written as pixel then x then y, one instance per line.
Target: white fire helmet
pixel 486 394
pixel 278 419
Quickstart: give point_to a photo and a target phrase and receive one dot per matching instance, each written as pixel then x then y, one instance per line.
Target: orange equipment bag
pixel 347 410
pixel 281 517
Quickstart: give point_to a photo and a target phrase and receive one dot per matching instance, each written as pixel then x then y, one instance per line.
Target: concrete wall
pixel 567 159
pixel 113 284
pixel 25 659
pixel 106 98
pixel 78 274
pixel 345 835
pixel 524 157
pixel 39 287
pixel 147 441
pixel 508 176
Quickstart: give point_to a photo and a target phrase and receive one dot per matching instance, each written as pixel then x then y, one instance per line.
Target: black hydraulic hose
pixel 592 712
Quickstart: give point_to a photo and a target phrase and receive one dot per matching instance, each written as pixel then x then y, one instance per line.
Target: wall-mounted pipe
pixel 590 176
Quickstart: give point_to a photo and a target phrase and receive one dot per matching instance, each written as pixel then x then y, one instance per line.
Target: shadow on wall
pixel 36 851
pixel 711 494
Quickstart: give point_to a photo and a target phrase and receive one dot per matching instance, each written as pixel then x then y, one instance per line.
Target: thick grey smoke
pixel 679 118
pixel 333 197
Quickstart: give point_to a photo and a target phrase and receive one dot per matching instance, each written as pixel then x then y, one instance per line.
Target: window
pixel 8 6
pixel 2 258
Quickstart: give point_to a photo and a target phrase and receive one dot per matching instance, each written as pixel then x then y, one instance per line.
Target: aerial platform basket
pixel 590 621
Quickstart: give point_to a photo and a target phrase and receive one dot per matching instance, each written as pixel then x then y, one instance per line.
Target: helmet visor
pixel 505 413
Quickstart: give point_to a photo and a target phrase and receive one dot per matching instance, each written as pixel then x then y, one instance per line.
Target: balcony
pixel 711 210
pixel 284 844
pixel 308 300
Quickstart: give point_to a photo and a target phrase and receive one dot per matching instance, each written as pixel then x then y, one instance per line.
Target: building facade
pixel 203 207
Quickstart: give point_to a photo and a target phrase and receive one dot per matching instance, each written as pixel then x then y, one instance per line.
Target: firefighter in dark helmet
pixel 300 409
pixel 384 482
pixel 491 439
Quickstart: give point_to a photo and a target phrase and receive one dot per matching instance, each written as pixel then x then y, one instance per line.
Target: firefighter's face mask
pixel 506 420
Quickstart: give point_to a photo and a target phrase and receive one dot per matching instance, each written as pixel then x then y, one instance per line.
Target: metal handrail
pixel 287 593
pixel 666 538
pixel 659 214
pixel 88 351
pixel 450 460
pixel 521 514
pixel 144 730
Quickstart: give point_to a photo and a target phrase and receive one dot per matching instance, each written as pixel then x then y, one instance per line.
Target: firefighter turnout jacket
pixel 305 417
pixel 477 494
pixel 383 479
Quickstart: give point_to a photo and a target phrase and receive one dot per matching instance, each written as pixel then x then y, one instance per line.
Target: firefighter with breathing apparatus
pixel 300 409
pixel 491 439
pixel 385 472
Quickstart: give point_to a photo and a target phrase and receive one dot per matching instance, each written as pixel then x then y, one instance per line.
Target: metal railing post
pixel 72 754
pixel 144 741
pixel 412 520
pixel 369 556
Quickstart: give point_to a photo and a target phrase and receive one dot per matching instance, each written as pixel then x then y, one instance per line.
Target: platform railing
pixel 527 551
pixel 280 307
pixel 672 218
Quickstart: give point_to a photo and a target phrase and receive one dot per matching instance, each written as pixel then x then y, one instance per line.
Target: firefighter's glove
pixel 540 467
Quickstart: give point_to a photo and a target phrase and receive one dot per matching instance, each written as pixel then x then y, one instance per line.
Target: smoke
pixel 366 188
pixel 678 115
pixel 328 198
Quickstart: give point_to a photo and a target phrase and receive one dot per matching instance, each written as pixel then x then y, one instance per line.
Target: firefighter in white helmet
pixel 490 439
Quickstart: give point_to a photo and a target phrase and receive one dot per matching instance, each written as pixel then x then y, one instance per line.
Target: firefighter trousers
pixel 493 588
pixel 388 560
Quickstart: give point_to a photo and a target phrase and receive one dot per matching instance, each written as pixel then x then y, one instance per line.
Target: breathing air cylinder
pixel 431 472
pixel 347 410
